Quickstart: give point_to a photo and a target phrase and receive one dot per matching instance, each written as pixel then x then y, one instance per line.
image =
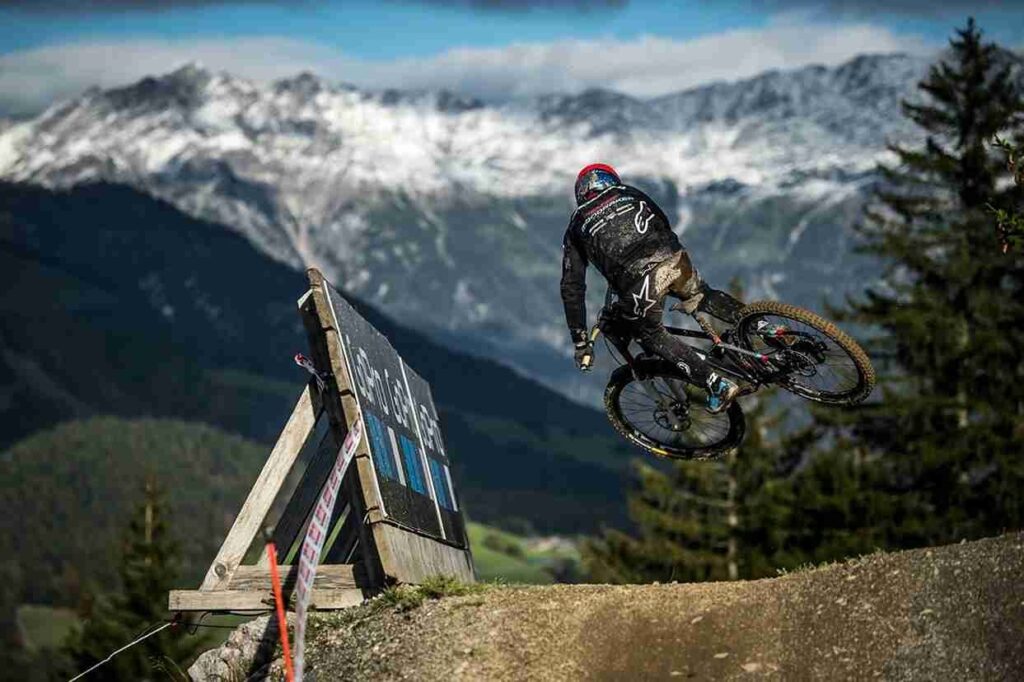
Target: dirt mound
pixel 953 612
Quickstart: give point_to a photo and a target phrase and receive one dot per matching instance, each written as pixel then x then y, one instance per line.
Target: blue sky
pixel 380 30
pixel 51 49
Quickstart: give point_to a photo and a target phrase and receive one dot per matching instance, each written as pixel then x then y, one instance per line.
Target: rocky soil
pixel 946 613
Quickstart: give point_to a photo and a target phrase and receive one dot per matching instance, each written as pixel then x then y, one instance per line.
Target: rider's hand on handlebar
pixel 583 354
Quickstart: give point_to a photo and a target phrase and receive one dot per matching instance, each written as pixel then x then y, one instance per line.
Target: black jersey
pixel 620 231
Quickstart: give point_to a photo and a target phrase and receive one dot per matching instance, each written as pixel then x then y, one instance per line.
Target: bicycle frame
pixel 754 369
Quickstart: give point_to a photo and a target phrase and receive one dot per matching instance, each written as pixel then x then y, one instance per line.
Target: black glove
pixel 583 354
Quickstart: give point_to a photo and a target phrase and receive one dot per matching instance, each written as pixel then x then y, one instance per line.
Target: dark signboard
pixel 411 466
pixel 438 466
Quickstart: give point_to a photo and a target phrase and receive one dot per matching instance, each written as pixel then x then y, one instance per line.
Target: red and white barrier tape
pixel 316 533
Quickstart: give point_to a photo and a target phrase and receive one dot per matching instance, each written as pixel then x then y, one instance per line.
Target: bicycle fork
pixel 663 402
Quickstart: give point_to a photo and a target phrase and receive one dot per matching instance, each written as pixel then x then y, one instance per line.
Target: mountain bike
pixel 653 404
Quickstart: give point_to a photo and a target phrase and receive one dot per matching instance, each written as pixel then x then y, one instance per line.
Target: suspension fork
pixel 645 384
pixel 660 401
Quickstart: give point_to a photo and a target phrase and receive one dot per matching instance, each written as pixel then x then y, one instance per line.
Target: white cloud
pixel 31 79
pixel 644 66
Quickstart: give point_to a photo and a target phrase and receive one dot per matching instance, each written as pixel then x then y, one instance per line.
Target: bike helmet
pixel 593 180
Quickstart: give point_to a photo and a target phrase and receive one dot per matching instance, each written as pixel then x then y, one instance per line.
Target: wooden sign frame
pixel 377 551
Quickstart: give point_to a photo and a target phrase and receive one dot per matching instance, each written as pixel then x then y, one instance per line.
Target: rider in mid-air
pixel 630 241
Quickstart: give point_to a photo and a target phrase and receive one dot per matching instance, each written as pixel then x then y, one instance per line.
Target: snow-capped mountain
pixel 448 212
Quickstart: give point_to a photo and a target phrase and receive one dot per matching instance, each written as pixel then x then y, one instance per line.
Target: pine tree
pixel 764 470
pixel 950 310
pixel 717 520
pixel 1010 221
pixel 681 521
pixel 149 564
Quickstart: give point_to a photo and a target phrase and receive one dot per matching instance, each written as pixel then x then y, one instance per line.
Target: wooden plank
pixel 251 600
pixel 334 357
pixel 328 577
pixel 360 489
pixel 261 496
pixel 295 514
pixel 348 537
pixel 410 558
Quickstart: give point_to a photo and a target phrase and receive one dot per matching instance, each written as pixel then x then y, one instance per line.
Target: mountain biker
pixel 629 239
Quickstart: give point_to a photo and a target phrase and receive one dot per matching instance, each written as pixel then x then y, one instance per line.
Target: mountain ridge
pixel 114 303
pixel 448 212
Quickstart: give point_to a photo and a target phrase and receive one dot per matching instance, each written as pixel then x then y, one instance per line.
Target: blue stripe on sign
pixel 440 485
pixel 412 465
pixel 379 446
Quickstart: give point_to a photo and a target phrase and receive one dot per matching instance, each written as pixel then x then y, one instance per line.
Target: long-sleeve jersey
pixel 619 231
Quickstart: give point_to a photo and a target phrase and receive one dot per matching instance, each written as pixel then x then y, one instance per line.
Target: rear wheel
pixel 666 415
pixel 822 362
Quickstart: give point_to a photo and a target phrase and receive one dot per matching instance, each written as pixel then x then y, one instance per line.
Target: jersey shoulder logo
pixel 639 221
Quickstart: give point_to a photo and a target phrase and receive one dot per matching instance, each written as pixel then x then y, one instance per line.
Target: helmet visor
pixel 594 182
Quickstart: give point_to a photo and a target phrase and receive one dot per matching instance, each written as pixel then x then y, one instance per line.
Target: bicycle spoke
pixel 836 374
pixel 641 406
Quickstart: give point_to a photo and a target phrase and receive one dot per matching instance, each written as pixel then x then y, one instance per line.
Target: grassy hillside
pixel 112 302
pixel 65 495
pixel 509 558
pixel 45 627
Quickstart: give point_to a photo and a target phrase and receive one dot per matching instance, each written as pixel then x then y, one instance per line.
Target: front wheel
pixel 820 362
pixel 666 415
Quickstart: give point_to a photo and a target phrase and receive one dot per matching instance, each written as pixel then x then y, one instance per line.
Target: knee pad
pixel 690 293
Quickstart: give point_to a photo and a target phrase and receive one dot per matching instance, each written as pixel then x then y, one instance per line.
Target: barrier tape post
pixel 316 533
pixel 282 622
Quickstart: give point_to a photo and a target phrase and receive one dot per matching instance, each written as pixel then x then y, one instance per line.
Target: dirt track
pixel 949 613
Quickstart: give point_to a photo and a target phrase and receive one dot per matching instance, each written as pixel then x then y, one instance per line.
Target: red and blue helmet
pixel 593 180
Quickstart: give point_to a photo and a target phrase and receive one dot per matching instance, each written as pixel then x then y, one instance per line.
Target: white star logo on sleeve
pixel 643 298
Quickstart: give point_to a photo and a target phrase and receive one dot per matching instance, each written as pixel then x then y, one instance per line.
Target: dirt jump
pixel 944 613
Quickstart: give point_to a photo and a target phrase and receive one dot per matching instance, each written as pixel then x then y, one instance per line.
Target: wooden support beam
pixel 328 355
pixel 300 506
pixel 328 577
pixel 290 443
pixel 252 600
pixel 333 356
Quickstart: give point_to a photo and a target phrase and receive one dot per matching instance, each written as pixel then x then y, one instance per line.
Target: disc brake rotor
pixel 682 418
pixel 799 363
